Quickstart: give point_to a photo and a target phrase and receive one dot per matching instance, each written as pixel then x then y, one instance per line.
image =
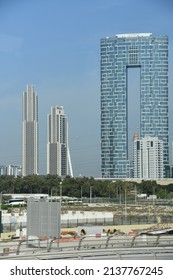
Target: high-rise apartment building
pixel 148 158
pixel 14 170
pixel 58 158
pixel 148 53
pixel 30 132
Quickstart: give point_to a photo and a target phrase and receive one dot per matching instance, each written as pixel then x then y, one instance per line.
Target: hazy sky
pixel 55 45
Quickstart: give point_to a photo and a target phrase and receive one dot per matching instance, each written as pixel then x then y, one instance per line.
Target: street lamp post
pixel 119 195
pixel 90 194
pixel 60 190
pixel 0 201
pixel 81 193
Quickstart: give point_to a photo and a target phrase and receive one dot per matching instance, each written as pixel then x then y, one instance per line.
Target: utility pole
pixel 135 195
pixel 0 201
pixel 125 203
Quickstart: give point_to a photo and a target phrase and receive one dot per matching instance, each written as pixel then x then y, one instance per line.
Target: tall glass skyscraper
pixel 149 53
pixel 30 132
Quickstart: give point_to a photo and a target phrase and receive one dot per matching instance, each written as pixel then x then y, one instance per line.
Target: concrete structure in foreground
pixel 148 53
pixel 43 218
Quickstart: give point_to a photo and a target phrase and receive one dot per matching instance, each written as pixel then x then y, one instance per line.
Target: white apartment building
pixel 58 157
pixel 148 158
pixel 30 132
pixel 14 170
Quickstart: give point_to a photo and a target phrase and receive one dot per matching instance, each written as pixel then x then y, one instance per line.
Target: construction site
pixel 119 216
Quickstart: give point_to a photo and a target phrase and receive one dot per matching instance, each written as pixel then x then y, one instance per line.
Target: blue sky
pixel 55 45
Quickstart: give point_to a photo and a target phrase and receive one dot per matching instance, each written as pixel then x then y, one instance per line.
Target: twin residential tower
pixel 58 156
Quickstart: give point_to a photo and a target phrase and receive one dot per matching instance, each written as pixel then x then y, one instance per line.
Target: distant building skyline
pixel 148 158
pixel 12 170
pixel 148 53
pixel 30 132
pixel 57 145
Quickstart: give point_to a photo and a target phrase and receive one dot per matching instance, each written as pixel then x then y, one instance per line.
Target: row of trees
pixel 80 187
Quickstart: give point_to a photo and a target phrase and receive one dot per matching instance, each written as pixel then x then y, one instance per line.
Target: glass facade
pixel 150 53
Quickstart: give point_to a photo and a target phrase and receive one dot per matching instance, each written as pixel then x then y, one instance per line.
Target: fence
pixel 118 220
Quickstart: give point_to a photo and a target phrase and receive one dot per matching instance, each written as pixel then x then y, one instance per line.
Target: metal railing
pixel 118 253
pixel 114 242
